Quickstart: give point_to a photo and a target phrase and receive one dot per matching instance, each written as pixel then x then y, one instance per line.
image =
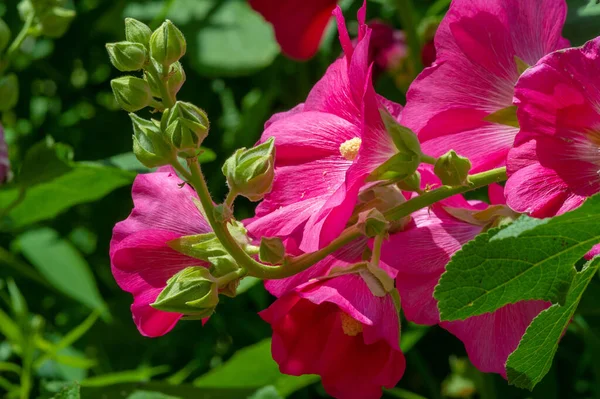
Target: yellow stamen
pixel 350 326
pixel 349 148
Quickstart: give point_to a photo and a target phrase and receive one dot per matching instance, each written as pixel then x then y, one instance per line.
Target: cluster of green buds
pixel 41 18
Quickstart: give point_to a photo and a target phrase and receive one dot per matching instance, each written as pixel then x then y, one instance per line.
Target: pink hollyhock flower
pixel 555 164
pixel 141 258
pixel 388 46
pixel 4 162
pixel 325 149
pixel 420 254
pixel 482 47
pixel 299 24
pixel 338 329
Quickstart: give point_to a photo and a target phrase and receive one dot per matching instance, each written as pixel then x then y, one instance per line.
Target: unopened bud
pixel 186 126
pixel 406 140
pixel 193 292
pixel 4 35
pixel 176 79
pixel 149 145
pixel 452 169
pixel 55 22
pixel 250 172
pixel 411 183
pixel 271 250
pixel 127 56
pixel 206 247
pixel 167 44
pixel 372 223
pixel 131 93
pixel 9 92
pixel 137 32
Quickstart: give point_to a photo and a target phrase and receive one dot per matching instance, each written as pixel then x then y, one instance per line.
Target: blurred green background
pixel 63 318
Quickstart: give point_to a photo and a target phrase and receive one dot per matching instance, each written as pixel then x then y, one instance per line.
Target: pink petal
pixel 299 25
pixel 491 338
pixel 496 194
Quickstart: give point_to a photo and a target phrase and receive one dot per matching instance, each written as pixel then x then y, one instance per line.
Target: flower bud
pixel 137 32
pixel 127 56
pixel 186 126
pixel 9 92
pixel 452 169
pixel 149 145
pixel 193 292
pixel 131 93
pixel 206 247
pixel 4 35
pixel 271 250
pixel 176 78
pixel 250 172
pixel 167 44
pixel 372 223
pixel 411 183
pixel 55 22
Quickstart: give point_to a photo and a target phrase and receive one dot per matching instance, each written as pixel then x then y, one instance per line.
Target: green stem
pixel 167 99
pixel 429 198
pixel 377 244
pixel 428 160
pixel 406 13
pixel 231 196
pixel 16 44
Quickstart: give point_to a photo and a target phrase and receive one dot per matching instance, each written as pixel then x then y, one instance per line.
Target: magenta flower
pixel 555 164
pixel 482 47
pixel 299 24
pixel 325 149
pixel 4 162
pixel 141 259
pixel 338 329
pixel 388 46
pixel 421 252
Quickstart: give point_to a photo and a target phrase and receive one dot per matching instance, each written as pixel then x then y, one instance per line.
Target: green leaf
pixel 62 265
pixel 71 391
pixel 254 367
pixel 532 359
pixel 150 395
pixel 582 21
pixel 530 259
pixel 140 375
pixel 44 161
pixel 85 182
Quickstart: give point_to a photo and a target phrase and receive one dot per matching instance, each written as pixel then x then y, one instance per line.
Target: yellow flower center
pixel 349 148
pixel 350 326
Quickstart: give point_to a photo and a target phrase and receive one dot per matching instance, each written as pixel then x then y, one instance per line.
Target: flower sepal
pixel 149 145
pixel 271 250
pixel 127 56
pixel 452 169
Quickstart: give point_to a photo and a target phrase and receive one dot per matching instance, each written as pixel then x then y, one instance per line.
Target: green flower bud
pixel 153 83
pixel 250 172
pixel 131 93
pixel 186 126
pixel 411 183
pixel 206 247
pixel 176 79
pixel 372 223
pixel 9 92
pixel 127 56
pixel 55 22
pixel 452 169
pixel 167 44
pixel 193 291
pixel 4 35
pixel 137 32
pixel 271 250
pixel 149 145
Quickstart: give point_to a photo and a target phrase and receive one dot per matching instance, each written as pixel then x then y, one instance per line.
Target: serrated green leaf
pixel 529 260
pixel 532 359
pixel 62 265
pixel 253 367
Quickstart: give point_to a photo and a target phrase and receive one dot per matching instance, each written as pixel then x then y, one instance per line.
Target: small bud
pixel 250 172
pixel 137 32
pixel 55 22
pixel 411 183
pixel 154 84
pixel 372 223
pixel 186 126
pixel 131 93
pixel 167 44
pixel 193 292
pixel 271 250
pixel 4 35
pixel 127 56
pixel 149 145
pixel 206 247
pixel 9 92
pixel 176 79
pixel 452 169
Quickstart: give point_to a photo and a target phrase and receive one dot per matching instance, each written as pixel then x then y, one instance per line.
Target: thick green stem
pixel 429 198
pixel 16 44
pixel 406 13
pixel 428 160
pixel 377 244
